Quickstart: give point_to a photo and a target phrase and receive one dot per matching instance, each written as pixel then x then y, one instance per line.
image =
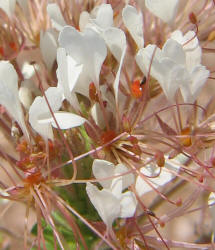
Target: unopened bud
pixel 201 178
pixel 192 18
pixel 179 202
pixel 160 160
pixel 161 223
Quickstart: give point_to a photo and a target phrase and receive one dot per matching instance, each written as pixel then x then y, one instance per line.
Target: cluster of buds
pixel 106 108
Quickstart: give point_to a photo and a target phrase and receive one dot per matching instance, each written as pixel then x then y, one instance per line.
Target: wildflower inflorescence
pixel 109 113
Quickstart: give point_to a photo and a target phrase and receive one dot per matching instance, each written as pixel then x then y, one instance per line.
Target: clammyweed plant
pixel 108 109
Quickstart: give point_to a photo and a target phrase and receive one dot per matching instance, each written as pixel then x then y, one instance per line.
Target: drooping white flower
pixel 41 118
pixel 133 21
pixel 9 96
pixel 48 47
pixel 110 202
pixel 68 72
pixel 173 70
pixel 56 17
pixel 151 171
pixel 102 22
pixel 166 9
pixel 86 48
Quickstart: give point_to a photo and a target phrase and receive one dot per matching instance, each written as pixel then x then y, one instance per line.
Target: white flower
pixel 133 21
pixel 87 49
pixel 48 47
pixel 114 38
pixel 110 202
pixel 9 96
pixel 41 118
pixel 172 68
pixel 164 9
pixel 151 171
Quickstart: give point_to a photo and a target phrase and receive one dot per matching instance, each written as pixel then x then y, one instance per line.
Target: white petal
pixel 48 47
pixel 107 205
pixel 39 112
pixel 68 72
pixel 8 6
pixel 44 130
pixel 116 187
pixel 9 96
pixel 57 19
pixel 165 9
pixel 192 49
pixel 25 96
pixel 116 41
pixel 145 57
pixel 83 20
pixel 199 77
pixel 128 205
pixel 103 169
pixel 127 179
pixel 174 51
pixel 86 48
pixel 104 17
pixel 175 78
pixel 134 23
pixel 67 120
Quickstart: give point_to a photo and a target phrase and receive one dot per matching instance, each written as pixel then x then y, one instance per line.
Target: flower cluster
pixel 107 112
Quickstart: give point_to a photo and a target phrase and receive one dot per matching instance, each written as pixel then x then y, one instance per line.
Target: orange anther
pixel 93 92
pixel 13 46
pixel 186 141
pixel 136 89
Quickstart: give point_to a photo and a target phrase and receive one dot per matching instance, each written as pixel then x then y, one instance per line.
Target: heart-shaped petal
pixel 9 96
pixel 56 17
pixel 174 51
pixel 86 48
pixel 104 17
pixel 48 47
pixel 39 111
pixel 103 169
pixel 68 72
pixel 128 204
pixel 133 21
pixel 106 204
pixel 166 9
